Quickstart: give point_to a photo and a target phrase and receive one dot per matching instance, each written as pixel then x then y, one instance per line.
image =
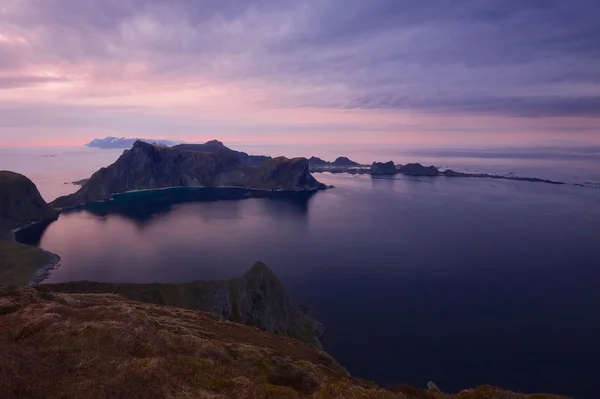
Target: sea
pixel 460 281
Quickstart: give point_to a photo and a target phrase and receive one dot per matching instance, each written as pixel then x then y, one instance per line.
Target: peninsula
pixel 147 166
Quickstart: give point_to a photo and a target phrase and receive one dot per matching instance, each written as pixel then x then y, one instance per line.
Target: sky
pixel 435 73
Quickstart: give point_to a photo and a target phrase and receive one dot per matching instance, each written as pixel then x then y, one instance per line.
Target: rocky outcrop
pixel 258 299
pixel 21 202
pixel 344 161
pixel 147 167
pixel 217 147
pixel 316 161
pixel 416 169
pixel 383 168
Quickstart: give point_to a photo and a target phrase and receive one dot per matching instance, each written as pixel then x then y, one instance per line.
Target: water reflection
pixel 144 206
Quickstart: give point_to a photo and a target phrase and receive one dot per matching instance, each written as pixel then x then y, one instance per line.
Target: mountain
pixel 319 164
pixel 217 147
pixel 125 143
pixel 315 161
pixel 344 161
pixel 383 168
pixel 60 345
pixel 21 204
pixel 257 299
pixel 416 169
pixel 148 166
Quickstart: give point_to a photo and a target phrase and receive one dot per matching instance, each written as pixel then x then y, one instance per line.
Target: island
pixel 148 167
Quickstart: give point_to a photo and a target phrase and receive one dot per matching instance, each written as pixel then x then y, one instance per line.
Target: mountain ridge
pixel 148 166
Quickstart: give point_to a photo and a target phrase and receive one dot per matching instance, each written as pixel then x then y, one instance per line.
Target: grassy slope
pixel 275 313
pixel 19 263
pixel 104 346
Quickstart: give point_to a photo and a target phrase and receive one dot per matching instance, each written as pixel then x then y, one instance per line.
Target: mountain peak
pixel 215 143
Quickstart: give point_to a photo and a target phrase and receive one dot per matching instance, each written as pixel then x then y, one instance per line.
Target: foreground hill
pixel 148 166
pixel 258 299
pixel 21 204
pixel 217 147
pixel 56 345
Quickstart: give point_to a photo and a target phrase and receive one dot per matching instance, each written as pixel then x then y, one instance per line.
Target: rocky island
pixel 147 167
pixel 415 170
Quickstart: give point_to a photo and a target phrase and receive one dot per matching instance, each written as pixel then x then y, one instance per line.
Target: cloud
pixel 531 58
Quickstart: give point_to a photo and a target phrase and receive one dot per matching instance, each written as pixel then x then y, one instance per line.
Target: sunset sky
pixel 417 73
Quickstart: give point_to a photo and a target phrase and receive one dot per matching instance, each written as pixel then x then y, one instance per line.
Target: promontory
pixel 147 167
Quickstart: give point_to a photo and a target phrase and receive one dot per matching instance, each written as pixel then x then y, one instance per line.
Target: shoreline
pixel 452 174
pixel 141 190
pixel 52 262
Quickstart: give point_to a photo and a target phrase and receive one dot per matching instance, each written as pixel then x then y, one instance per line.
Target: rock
pixel 147 167
pixel 416 169
pixel 344 161
pixel 383 168
pixel 431 385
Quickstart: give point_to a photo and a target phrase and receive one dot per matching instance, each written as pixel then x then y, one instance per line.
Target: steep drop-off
pixel 148 166
pixel 21 204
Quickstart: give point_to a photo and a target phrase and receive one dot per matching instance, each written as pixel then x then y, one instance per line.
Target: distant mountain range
pixel 126 143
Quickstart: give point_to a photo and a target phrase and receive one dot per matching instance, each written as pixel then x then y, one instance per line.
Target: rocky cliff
pixel 148 166
pixel 21 202
pixel 258 299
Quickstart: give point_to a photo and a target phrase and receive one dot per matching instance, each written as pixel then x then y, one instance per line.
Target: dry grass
pixel 104 346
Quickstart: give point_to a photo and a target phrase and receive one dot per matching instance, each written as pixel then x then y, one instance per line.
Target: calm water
pixel 459 281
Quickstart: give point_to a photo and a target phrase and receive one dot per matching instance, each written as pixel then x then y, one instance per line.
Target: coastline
pixel 52 262
pixel 141 190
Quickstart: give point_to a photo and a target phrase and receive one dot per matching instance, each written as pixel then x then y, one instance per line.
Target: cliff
pixel 21 204
pixel 147 166
pixel 217 147
pixel 257 299
pixel 56 345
